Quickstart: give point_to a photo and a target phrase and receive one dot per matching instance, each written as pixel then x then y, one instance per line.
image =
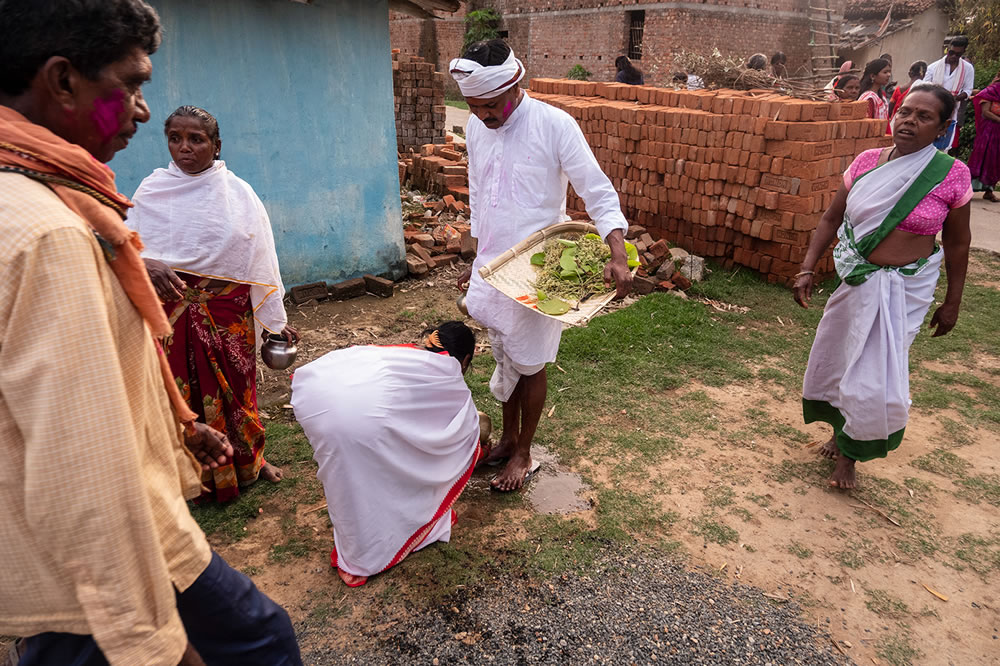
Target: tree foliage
pixel 980 21
pixel 481 24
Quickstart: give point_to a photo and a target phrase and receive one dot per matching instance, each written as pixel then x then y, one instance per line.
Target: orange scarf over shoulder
pixel 64 167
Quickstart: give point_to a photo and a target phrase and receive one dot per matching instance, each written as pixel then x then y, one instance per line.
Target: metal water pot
pixel 460 302
pixel 277 352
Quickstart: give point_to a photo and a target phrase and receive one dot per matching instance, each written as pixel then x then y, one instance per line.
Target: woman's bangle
pixel 800 274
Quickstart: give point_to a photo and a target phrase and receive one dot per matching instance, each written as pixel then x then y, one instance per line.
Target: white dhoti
pixel 396 436
pixel 508 371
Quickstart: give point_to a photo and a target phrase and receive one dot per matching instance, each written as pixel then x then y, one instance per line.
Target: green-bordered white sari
pixel 858 374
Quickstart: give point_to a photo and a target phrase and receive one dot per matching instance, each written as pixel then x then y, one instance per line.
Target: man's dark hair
pixel 886 56
pixel 487 53
pixel 91 34
pixel 456 338
pixel 757 61
pixel 946 99
pixel 208 121
pixel 919 69
pixel 778 57
pixel 961 41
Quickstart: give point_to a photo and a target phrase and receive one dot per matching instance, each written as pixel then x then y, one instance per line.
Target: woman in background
pixel 916 73
pixel 847 89
pixel 984 162
pixel 877 73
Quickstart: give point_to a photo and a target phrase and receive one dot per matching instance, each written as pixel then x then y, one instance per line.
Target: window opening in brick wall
pixel 635 21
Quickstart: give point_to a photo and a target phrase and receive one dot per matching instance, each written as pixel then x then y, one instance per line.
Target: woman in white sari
pixel 396 436
pixel 885 216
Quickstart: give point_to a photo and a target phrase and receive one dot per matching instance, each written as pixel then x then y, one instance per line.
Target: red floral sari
pixel 212 354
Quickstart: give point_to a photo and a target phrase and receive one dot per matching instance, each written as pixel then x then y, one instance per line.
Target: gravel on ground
pixel 626 610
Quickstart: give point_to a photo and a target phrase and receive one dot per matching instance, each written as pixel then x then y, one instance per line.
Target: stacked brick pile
pixel 437 234
pixel 739 176
pixel 419 96
pixel 441 169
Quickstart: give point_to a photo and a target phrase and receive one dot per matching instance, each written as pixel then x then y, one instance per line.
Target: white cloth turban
pixel 475 80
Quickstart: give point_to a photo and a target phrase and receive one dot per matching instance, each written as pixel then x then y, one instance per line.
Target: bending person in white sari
pixel 396 436
pixel 886 215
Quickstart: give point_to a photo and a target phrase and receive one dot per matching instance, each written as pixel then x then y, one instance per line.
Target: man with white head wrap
pixel 522 155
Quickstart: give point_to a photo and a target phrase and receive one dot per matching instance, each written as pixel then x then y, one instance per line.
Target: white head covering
pixel 475 80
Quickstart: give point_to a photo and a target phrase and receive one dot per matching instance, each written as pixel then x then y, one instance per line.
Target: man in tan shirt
pixel 100 559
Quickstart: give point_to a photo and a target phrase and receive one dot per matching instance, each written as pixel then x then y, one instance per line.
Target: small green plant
pixel 719 533
pixel 799 551
pixel 480 25
pixel 884 604
pixel 579 73
pixel 898 651
pixel 941 462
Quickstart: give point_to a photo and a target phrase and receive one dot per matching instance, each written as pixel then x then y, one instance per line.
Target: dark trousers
pixel 227 619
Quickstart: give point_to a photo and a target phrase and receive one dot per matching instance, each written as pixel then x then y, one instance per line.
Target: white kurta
pixel 959 80
pixel 517 185
pixel 395 433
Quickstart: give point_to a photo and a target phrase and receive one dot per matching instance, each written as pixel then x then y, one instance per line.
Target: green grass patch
pixel 981 554
pixel 956 434
pixel 719 496
pixel 714 531
pixel 558 544
pixel 292 549
pixel 850 558
pixel 942 462
pixel 457 103
pixel 919 486
pixel 886 605
pixel 898 650
pixel 286 446
pixel 980 488
pixel 799 551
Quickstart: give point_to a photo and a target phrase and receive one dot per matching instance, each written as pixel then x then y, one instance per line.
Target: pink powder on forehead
pixel 107 113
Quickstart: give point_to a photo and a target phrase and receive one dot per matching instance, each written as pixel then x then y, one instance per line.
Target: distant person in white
pixel 956 75
pixel 522 154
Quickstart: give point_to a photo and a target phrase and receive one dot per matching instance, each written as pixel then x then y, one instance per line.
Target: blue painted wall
pixel 303 94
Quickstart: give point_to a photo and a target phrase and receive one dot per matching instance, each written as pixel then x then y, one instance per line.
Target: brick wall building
pixel 551 36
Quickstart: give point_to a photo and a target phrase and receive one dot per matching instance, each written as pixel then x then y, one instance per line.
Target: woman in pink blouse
pixel 886 216
pixel 876 76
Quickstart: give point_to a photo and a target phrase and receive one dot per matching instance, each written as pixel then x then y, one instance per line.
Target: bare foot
pixel 500 452
pixel 829 450
pixel 271 473
pixel 351 580
pixel 843 474
pixel 512 476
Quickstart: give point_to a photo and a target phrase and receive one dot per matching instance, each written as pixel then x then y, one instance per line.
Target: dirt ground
pixel 902 570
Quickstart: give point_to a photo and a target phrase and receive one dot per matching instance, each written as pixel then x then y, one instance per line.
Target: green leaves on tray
pixel 553 306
